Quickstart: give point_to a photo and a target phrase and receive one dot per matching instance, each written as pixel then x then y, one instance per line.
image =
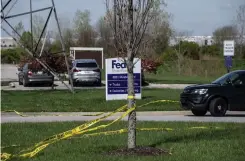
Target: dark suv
pixel 225 93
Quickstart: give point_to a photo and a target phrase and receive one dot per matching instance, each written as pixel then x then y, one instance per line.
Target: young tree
pixel 240 23
pixel 129 24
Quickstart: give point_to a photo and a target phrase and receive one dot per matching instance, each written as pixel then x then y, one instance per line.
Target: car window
pixel 235 79
pixel 222 80
pixel 242 79
pixel 229 78
pixel 86 65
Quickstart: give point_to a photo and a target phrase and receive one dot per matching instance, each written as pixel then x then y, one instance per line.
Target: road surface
pixel 184 116
pixel 60 86
pixel 8 72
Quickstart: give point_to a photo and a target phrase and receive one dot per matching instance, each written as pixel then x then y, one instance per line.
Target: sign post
pixel 117 79
pixel 229 50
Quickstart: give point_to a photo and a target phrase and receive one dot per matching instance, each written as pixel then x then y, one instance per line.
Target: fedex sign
pixel 117 79
pixel 118 65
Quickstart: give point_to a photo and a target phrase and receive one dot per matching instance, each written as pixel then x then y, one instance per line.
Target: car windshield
pixel 86 65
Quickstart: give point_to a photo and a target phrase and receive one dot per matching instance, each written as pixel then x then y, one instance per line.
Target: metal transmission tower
pixel 33 51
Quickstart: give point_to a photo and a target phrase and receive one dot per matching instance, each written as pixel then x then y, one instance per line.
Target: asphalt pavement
pixel 184 116
pixel 60 86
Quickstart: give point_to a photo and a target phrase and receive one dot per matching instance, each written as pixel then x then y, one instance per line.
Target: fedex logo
pixel 118 65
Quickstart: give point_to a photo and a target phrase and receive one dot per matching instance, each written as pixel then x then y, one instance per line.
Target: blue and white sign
pixel 117 79
pixel 229 47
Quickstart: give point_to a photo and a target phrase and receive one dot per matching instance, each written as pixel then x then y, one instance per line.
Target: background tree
pixel 224 33
pixel 132 19
pixel 19 28
pixel 240 24
pixel 159 30
pixel 26 39
pixel 105 36
pixel 67 33
pixel 85 33
pixel 37 27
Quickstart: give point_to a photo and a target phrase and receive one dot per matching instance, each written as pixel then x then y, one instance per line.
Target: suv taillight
pixel 75 70
pixel 29 73
pixel 96 70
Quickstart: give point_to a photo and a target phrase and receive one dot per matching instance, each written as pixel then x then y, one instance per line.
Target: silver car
pixel 27 76
pixel 85 71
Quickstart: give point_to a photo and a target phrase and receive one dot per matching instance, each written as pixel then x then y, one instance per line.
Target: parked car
pixel 85 71
pixel 225 93
pixel 27 76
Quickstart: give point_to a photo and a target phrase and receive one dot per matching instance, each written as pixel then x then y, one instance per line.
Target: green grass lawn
pixel 82 101
pixel 226 144
pixel 170 78
pixel 175 79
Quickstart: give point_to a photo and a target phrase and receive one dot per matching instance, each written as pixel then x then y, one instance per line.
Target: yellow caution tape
pixel 158 101
pixel 98 114
pixel 123 131
pixel 4 147
pixel 24 115
pixel 81 127
pixel 18 113
pixel 78 130
pixel 32 151
pixel 131 97
pixel 6 156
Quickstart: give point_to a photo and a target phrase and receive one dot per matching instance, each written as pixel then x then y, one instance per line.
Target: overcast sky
pixel 201 17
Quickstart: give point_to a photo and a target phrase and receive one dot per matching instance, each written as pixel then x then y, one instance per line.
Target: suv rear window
pixel 86 65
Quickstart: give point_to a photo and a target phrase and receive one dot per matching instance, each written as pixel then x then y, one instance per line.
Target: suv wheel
pixel 74 84
pixel 218 107
pixel 98 83
pixel 25 83
pixel 20 83
pixel 199 112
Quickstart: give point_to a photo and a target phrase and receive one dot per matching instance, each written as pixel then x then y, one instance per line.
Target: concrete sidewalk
pixel 182 116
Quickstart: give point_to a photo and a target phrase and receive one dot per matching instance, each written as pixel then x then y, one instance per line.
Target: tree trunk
pixel 131 103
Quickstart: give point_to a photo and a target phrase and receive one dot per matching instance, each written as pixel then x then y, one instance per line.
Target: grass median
pixel 89 100
pixel 177 79
pixel 224 144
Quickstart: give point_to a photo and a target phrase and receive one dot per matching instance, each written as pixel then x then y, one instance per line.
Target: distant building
pixel 201 40
pixel 7 42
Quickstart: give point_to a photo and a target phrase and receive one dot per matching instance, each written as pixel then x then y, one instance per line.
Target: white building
pixel 201 40
pixel 7 42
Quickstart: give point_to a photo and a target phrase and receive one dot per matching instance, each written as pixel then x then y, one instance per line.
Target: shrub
pixel 9 56
pixel 169 54
pixel 150 65
pixel 54 61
